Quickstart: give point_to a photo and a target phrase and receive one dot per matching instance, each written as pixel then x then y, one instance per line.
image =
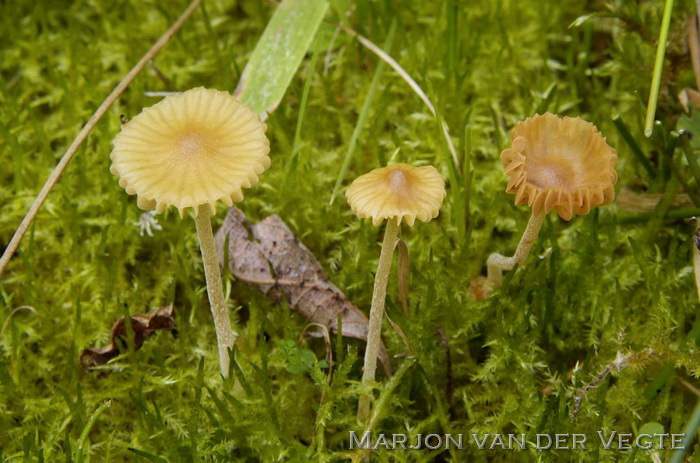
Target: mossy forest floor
pixel 617 284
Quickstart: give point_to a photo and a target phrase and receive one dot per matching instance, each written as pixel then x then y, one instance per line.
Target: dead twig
pixel 689 387
pixel 73 148
pixel 621 362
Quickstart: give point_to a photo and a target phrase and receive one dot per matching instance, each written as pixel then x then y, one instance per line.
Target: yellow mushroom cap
pixel 399 190
pixel 559 163
pixel 190 149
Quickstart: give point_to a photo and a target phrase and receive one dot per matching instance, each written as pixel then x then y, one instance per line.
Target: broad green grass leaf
pixel 279 52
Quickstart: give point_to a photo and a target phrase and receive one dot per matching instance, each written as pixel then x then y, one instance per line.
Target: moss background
pixel 613 282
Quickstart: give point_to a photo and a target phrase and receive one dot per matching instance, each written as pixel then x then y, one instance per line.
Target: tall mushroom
pixel 191 150
pixel 394 193
pixel 555 163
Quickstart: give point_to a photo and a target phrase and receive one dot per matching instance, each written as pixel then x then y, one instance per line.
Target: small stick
pixel 621 361
pixel 581 394
pixel 689 387
pixel 694 47
pixel 68 155
pixel 160 75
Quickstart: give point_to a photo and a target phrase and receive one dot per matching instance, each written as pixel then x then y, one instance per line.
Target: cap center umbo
pixel 398 182
pixel 551 171
pixel 191 145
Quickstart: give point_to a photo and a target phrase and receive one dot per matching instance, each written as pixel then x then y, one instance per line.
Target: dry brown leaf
pixel 269 257
pixel 646 202
pixel 689 97
pixel 143 324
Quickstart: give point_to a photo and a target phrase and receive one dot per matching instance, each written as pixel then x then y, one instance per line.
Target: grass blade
pixel 279 53
pixel 689 434
pixel 411 83
pixel 636 150
pixel 658 67
pixel 363 115
pixel 148 456
pixel 668 156
pixel 86 430
pixel 296 144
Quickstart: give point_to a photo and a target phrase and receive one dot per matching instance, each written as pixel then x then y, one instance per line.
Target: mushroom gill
pixel 558 163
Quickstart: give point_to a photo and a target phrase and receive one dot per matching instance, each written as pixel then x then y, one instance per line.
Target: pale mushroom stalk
pixel 562 164
pixel 376 313
pixel 225 336
pixel 393 193
pixel 191 150
pixel 497 263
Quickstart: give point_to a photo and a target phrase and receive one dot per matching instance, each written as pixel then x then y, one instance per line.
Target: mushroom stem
pixel 497 263
pixel 224 334
pixel 376 313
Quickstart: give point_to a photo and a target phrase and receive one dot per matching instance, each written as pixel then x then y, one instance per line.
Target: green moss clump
pixel 613 285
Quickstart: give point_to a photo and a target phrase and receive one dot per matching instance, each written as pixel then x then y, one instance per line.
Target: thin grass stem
pixel 658 67
pixel 632 143
pixel 83 134
pixel 374 86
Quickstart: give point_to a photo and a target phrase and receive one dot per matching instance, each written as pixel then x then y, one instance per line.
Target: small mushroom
pixel 191 150
pixel 555 163
pixel 397 192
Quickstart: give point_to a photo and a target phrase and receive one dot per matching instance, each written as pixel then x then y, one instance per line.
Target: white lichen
pixel 147 223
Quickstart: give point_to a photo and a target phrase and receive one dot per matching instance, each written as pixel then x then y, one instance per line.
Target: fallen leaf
pixel 144 326
pixel 270 258
pixel 628 200
pixel 689 97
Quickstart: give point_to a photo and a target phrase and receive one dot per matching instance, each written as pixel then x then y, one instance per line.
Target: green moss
pixel 612 282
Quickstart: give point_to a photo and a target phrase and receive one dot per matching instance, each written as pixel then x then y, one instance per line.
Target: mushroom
pixel 397 192
pixel 191 150
pixel 555 163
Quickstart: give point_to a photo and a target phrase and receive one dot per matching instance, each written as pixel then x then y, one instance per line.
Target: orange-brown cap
pixel 397 191
pixel 559 163
pixel 190 149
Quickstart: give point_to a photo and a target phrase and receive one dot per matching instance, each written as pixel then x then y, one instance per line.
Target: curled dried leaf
pixel 270 258
pixel 143 326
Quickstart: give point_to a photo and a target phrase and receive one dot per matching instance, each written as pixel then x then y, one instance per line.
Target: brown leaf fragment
pixel 144 326
pixel 628 200
pixel 689 98
pixel 270 258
